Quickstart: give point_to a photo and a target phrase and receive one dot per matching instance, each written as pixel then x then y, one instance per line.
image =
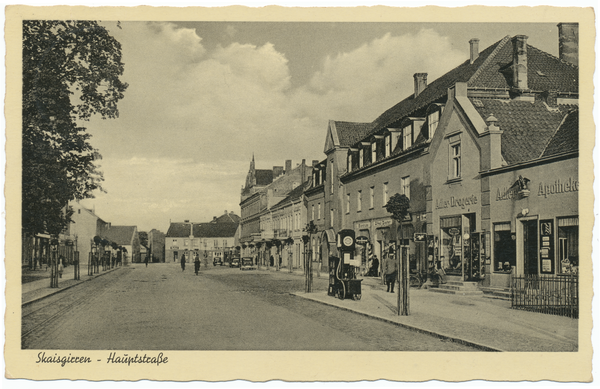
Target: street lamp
pixel 54 262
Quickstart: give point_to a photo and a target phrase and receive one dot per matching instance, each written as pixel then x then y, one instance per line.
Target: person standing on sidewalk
pixel 183 262
pixel 390 269
pixel 146 261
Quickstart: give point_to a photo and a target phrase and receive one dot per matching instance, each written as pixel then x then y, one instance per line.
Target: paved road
pixel 162 308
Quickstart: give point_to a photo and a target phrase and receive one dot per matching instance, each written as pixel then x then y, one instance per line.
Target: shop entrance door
pixel 530 247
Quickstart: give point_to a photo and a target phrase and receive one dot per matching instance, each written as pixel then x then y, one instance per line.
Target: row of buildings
pixel 77 239
pixel 213 241
pixel 487 154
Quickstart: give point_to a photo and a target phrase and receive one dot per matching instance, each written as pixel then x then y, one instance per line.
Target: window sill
pixel 453 180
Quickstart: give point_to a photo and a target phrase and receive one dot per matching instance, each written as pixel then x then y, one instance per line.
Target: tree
pixel 398 206
pixel 143 236
pixel 63 61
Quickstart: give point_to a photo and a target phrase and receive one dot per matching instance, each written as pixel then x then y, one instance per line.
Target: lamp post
pixel 54 263
pixel 290 242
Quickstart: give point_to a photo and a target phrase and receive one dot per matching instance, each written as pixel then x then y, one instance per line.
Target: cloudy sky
pixel 204 97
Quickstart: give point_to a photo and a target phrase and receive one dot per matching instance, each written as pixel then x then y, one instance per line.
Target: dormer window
pixel 388 145
pixel 433 120
pixel 361 158
pixel 349 161
pixel 407 137
pixel 374 151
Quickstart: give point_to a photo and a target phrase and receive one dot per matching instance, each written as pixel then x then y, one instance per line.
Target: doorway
pixel 530 246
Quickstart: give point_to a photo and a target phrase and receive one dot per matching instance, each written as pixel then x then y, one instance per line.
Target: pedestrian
pixel 183 262
pixel 374 270
pixel 271 261
pixel 197 264
pixel 390 269
pixel 146 260
pixel 60 266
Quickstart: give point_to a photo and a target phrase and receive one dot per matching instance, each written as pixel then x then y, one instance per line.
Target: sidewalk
pixel 488 324
pixel 40 288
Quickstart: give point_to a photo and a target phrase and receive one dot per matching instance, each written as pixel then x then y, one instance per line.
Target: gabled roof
pixel 566 138
pixel 528 127
pixel 227 218
pixel 295 194
pixel 263 177
pixel 349 133
pixel 491 70
pixel 121 235
pixel 215 230
pixel 178 230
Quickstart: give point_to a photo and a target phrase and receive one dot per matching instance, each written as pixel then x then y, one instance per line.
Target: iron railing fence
pixel 555 295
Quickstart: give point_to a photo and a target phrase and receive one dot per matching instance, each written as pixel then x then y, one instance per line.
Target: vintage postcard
pixel 299 194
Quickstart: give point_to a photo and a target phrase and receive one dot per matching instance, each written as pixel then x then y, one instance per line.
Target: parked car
pixel 217 261
pixel 235 262
pixel 247 264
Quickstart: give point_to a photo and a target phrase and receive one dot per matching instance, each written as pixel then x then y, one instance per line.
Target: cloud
pixel 192 118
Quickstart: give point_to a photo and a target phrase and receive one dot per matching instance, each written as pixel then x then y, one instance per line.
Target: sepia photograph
pixel 247 190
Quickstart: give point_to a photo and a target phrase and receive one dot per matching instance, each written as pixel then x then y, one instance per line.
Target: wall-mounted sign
pixel 461 202
pixel 454 231
pixel 382 223
pixel 557 187
pixel 363 225
pixel 420 237
pixel 174 247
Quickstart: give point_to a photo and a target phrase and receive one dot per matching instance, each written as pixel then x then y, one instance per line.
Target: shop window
pixel 451 244
pixel 406 137
pixel 505 257
pixel 568 245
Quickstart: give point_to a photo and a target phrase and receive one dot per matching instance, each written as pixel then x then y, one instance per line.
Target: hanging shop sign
pixel 547 245
pixel 362 240
pixel 420 237
pixel 454 231
pixel 461 202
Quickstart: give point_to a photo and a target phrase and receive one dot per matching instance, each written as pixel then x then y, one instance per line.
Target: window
pixel 347 202
pixel 505 250
pixel 406 137
pixel 388 145
pixel 349 161
pixel 331 178
pixel 196 242
pixel 319 211
pixel 224 242
pixel 455 172
pixel 405 186
pixel 174 241
pixel 361 157
pixel 433 120
pixel 371 197
pixel 359 201
pixel 331 214
pixel 186 242
pixel 312 212
pixel 216 243
pixel 374 152
pixel 385 194
pixel 568 244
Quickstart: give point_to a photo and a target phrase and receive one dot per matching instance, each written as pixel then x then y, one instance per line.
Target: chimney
pixel 186 221
pixel 315 162
pixel 491 142
pixel 225 212
pixel 214 218
pixel 277 171
pixel 474 49
pixel 302 170
pixel 420 83
pixel 519 66
pixel 568 42
pixel 288 166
